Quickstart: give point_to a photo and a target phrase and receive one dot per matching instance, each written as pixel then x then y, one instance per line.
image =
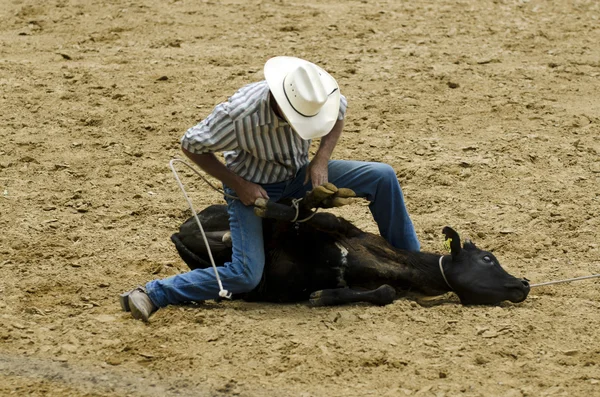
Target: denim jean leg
pixel 240 275
pixel 377 182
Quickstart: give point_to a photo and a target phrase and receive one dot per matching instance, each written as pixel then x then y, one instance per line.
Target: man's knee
pixel 388 171
pixel 248 279
pixel 384 172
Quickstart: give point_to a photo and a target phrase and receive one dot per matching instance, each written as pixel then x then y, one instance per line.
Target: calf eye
pixel 487 258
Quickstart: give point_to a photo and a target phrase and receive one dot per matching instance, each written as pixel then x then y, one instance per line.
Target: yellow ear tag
pixel 447 244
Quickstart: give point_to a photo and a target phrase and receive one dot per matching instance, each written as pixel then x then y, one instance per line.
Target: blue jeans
pixel 376 182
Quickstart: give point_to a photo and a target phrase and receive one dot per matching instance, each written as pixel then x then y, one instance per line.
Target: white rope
pixel 565 281
pixel 308 218
pixel 223 293
pixel 201 176
pixel 296 205
pixel 443 274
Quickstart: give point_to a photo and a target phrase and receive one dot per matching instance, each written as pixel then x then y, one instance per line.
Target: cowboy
pixel 265 131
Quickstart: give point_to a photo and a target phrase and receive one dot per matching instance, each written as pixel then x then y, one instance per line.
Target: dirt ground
pixel 488 110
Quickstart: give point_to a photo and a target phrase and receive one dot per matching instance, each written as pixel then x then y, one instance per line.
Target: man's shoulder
pixel 248 99
pixel 253 87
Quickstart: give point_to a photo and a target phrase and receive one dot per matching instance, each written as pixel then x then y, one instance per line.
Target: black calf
pixel 329 261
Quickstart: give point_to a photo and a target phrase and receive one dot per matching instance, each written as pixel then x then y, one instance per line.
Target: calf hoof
pixel 317 298
pixel 260 207
pixel 269 209
pixel 430 301
pixel 384 295
pixel 226 239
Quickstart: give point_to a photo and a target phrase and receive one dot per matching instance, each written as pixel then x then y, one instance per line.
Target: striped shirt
pixel 257 145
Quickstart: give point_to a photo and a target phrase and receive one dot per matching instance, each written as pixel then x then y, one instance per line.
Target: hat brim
pixel 307 127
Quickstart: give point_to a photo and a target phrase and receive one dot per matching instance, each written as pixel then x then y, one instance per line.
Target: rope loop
pixel 308 218
pixel 296 205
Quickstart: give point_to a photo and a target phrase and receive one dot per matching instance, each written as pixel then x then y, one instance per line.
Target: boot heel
pixel 124 301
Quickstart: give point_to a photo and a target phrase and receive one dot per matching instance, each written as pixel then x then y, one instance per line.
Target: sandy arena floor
pixel 488 110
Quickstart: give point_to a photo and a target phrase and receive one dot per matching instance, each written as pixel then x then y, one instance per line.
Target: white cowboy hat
pixel 308 96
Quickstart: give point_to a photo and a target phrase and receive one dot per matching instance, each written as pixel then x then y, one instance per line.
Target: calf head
pixel 476 275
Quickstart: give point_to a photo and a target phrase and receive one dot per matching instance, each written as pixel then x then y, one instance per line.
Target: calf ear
pixel 452 241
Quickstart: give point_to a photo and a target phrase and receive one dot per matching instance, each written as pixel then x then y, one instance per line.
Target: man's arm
pixel 248 192
pixel 317 169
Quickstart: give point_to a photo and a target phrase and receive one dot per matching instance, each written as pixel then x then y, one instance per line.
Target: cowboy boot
pixel 138 303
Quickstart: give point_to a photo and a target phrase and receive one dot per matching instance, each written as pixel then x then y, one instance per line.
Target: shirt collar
pixel 266 114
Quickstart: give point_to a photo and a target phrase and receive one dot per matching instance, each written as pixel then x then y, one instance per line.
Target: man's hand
pixel 317 172
pixel 248 192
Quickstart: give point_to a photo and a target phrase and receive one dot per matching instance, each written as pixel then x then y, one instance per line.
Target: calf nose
pixel 520 290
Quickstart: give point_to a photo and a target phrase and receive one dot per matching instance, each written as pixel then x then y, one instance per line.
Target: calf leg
pixel 193 251
pixel 383 295
pixel 272 210
pixel 325 196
